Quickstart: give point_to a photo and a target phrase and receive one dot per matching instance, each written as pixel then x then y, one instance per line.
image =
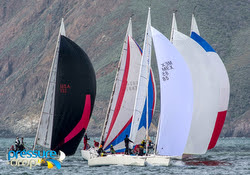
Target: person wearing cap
pixel 112 150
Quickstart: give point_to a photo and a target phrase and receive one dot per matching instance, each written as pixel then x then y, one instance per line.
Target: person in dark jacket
pixel 101 152
pixel 21 146
pixel 126 141
pixel 17 144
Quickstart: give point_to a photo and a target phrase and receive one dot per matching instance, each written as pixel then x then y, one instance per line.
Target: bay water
pixel 230 156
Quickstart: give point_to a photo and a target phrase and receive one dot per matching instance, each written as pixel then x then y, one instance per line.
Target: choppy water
pixel 230 156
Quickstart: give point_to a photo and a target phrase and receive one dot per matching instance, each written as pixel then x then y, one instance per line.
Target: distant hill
pixel 29 31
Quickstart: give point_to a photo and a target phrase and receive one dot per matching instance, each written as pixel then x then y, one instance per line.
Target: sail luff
pixel 142 86
pixel 128 33
pixel 174 27
pixel 51 84
pixel 194 27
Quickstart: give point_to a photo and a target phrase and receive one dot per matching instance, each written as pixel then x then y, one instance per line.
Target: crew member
pixel 141 149
pixel 85 142
pixel 101 152
pixel 21 147
pixel 17 144
pixel 112 150
pixel 126 141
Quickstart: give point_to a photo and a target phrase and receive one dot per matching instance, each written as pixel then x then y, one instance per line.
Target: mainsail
pixel 176 97
pixel 71 92
pixel 222 82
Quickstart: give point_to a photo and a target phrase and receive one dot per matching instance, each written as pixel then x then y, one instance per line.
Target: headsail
pixel 142 87
pixel 222 82
pixel 73 93
pixel 176 97
pixel 44 131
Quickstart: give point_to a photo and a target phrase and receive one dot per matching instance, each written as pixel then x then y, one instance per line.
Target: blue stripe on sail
pixel 203 43
pixel 138 46
pixel 150 106
pixel 120 138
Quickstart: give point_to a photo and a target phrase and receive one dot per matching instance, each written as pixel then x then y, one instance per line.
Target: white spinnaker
pixel 142 87
pixel 206 94
pixel 127 102
pixel 222 82
pixel 194 27
pixel 176 97
pixel 44 131
pixel 117 84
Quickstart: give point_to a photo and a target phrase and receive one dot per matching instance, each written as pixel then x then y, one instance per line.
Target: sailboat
pixel 115 129
pixel 69 99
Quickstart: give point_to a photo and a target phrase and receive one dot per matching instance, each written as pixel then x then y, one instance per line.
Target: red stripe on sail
pixel 122 91
pixel 217 129
pixel 83 123
pixel 128 123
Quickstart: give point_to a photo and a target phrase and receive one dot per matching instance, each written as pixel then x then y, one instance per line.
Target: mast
pixel 128 33
pixel 142 87
pixel 50 85
pixel 147 126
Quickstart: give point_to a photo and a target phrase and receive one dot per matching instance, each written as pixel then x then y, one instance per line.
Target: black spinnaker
pixel 74 97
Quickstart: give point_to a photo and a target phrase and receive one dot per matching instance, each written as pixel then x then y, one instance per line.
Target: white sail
pixel 44 131
pixel 117 83
pixel 205 93
pixel 174 27
pixel 176 97
pixel 142 87
pixel 194 27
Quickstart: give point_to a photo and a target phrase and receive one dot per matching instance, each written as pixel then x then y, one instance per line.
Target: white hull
pixel 155 160
pixel 127 160
pixel 90 153
pixel 117 159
